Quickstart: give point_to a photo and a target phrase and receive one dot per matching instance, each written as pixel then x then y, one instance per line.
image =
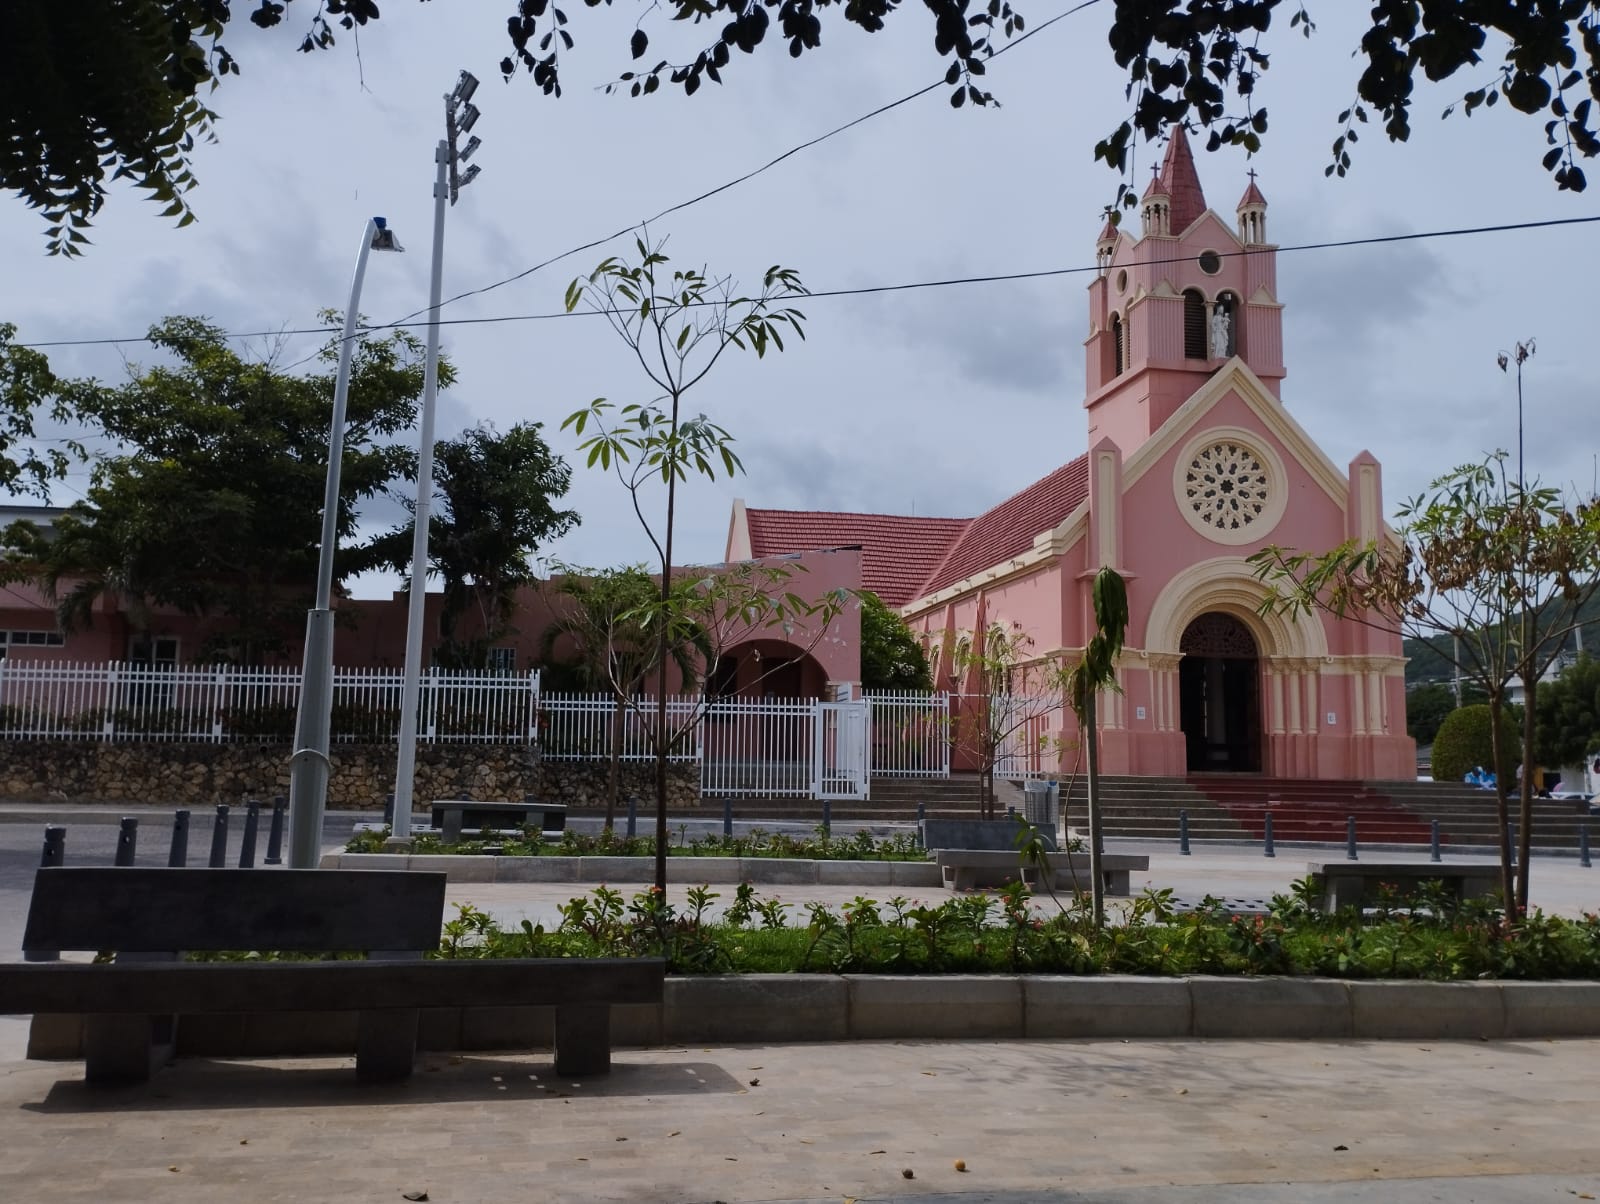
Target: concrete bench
pixel 452 817
pixel 132 1006
pixel 969 869
pixel 1355 883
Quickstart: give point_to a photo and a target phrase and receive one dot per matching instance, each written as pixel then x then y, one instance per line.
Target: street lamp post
pixel 460 115
pixel 309 765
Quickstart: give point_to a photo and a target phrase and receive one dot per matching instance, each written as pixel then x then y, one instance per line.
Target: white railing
pixel 758 746
pixel 582 727
pixel 58 700
pixel 1027 726
pixel 910 734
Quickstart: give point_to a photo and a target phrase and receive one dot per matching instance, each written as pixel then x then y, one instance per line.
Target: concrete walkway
pixel 1031 1121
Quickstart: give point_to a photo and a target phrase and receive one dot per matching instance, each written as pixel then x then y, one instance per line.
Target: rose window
pixel 1225 486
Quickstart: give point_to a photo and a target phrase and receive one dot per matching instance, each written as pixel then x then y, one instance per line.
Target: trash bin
pixel 1041 804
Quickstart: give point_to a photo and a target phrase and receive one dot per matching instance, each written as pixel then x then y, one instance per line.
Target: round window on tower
pixel 1210 262
pixel 1122 281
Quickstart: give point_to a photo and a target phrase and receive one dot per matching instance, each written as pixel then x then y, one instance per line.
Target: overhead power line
pixel 904 286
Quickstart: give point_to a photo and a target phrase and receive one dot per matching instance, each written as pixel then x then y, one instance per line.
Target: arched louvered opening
pixel 1194 324
pixel 1118 349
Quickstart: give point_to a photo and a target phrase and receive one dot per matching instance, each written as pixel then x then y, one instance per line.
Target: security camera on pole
pixel 460 115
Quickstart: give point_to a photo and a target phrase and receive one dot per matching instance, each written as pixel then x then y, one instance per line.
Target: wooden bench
pixel 1354 883
pixel 452 817
pixel 149 917
pixel 968 869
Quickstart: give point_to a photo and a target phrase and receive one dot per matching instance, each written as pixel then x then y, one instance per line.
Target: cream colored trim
pixel 1227 583
pixel 1019 565
pixel 1277 484
pixel 1237 376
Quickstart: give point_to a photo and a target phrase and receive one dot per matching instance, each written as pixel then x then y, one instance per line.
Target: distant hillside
pixel 1425 665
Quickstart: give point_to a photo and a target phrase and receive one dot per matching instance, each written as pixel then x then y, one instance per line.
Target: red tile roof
pixel 898 552
pixel 1009 528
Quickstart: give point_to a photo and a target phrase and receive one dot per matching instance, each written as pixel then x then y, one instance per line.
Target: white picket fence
pixel 582 727
pixel 58 700
pixel 910 734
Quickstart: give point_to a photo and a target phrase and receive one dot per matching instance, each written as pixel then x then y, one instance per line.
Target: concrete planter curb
pixel 713 871
pixel 784 1008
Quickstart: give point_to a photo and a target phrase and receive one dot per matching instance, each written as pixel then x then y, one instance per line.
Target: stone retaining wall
pixel 186 774
pixel 784 1008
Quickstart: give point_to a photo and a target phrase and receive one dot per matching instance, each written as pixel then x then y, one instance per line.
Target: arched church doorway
pixel 1219 695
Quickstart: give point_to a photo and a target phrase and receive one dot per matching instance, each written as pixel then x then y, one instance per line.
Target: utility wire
pixel 906 286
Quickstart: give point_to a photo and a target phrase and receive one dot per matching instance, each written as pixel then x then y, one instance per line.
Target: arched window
pixel 1118 357
pixel 1194 324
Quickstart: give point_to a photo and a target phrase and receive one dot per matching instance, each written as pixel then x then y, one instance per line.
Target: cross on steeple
pixel 1252 174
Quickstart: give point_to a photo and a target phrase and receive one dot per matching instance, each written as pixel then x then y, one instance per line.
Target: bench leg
pixel 583 1039
pixel 451 828
pixel 386 1044
pixel 125 1049
pixel 1116 882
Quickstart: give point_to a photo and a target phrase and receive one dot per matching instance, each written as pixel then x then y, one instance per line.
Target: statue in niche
pixel 1220 334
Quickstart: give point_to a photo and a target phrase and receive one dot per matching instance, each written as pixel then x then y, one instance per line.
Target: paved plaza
pixel 1123 1123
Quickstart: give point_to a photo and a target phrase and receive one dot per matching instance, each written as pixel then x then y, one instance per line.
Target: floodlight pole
pixel 459 117
pixel 309 765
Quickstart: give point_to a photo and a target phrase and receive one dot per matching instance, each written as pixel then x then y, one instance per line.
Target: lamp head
pixel 468 118
pixel 466 85
pixel 473 143
pixel 383 238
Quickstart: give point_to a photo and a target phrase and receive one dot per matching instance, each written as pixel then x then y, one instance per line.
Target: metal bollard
pixel 219 838
pixel 1433 842
pixel 1011 814
pixel 633 815
pixel 1350 838
pixel 178 853
pixel 827 816
pixel 1511 841
pixel 55 853
pixel 1583 844
pixel 388 809
pixel 275 832
pixel 1183 832
pixel 127 841
pixel 1266 844
pixel 247 845
pixel 922 818
pixel 55 847
pixel 727 818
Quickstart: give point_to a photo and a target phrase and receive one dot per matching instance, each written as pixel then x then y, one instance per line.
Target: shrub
pixel 1464 742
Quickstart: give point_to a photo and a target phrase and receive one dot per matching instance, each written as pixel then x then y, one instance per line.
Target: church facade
pixel 1194 462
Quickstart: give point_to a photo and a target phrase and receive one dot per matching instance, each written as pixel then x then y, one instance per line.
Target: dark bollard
pixel 727 818
pixel 1011 814
pixel 922 818
pixel 1511 841
pixel 247 845
pixel 1350 839
pixel 275 832
pixel 219 838
pixel 1183 833
pixel 633 815
pixel 178 853
pixel 127 841
pixel 55 853
pixel 388 809
pixel 827 816
pixel 1583 844
pixel 1433 843
pixel 1266 843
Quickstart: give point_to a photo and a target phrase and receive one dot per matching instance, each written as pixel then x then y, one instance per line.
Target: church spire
pixel 1181 182
pixel 1252 214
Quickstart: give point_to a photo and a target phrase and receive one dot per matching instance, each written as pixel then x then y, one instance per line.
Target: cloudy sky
pixel 939 401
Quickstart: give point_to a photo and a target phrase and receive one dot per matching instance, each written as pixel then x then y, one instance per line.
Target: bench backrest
pixel 158 910
pixel 993 835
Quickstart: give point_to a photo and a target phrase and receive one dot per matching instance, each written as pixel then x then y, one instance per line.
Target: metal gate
pixel 841 744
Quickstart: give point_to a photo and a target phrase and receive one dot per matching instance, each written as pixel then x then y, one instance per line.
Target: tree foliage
pixel 1426 707
pixel 1568 715
pixel 1478 557
pixel 28 388
pixel 212 502
pixel 497 494
pixel 1465 741
pixel 891 656
pixel 110 89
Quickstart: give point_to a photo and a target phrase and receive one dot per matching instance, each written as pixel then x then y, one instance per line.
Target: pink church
pixel 1194 463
